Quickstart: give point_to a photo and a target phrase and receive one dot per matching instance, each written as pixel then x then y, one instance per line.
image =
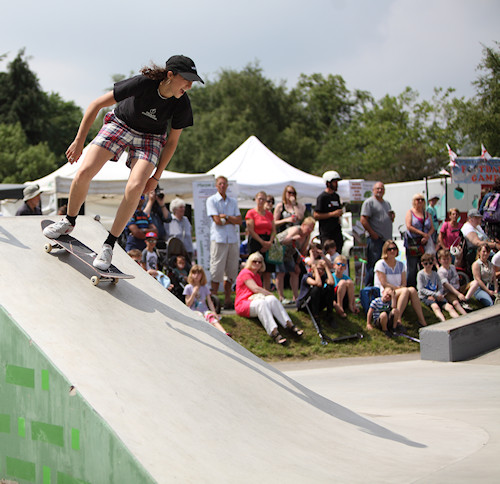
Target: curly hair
pixel 155 72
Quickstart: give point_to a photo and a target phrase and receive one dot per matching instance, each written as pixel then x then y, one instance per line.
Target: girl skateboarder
pixel 146 104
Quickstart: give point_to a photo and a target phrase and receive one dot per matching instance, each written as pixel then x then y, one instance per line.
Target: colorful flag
pixel 484 154
pixel 453 156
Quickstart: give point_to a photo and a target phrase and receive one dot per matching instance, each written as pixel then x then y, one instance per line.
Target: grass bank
pixel 250 334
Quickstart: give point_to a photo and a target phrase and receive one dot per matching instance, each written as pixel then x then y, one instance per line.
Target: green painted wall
pixel 47 435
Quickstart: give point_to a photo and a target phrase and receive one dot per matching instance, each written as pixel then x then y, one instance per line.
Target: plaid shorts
pixel 116 136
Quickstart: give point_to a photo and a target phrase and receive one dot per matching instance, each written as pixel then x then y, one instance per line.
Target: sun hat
pixel 31 191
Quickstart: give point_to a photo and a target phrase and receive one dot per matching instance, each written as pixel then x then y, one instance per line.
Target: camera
pixel 159 193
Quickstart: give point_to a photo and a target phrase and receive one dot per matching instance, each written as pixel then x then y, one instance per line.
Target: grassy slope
pixel 250 334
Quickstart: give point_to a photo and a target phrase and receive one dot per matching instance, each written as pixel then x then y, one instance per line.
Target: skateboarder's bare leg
pixel 139 175
pixel 94 160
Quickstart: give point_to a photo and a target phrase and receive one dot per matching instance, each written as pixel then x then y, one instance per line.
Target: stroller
pixel 175 248
pixel 464 257
pixel 303 304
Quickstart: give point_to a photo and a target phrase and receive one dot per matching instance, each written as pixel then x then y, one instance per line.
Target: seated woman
pixel 389 272
pixel 252 300
pixel 180 226
pixel 484 287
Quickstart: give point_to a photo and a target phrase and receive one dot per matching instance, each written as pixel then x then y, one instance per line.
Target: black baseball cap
pixel 180 64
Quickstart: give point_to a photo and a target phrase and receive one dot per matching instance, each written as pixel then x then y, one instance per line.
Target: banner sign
pixel 476 170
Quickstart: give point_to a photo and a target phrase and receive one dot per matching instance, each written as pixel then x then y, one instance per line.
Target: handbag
pixel 413 245
pixel 275 253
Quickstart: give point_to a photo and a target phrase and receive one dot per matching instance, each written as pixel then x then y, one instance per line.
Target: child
pixel 316 253
pixel 330 248
pixel 198 297
pixel 383 313
pixel 149 255
pixel 163 279
pixel 319 286
pixel 180 269
pixel 344 286
pixel 450 281
pixel 430 289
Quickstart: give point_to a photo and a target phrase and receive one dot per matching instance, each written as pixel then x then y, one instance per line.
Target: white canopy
pixel 254 167
pixel 111 180
pixel 107 187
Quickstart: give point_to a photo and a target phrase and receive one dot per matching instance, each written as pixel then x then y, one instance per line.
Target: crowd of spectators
pixel 279 247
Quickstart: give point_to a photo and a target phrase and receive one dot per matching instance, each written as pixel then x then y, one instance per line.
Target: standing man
pixel 377 218
pixel 31 199
pixel 224 239
pixel 329 210
pixel 431 210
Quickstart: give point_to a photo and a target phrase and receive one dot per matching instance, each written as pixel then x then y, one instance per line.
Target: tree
pixel 19 161
pixel 481 115
pixel 22 100
pixel 398 138
pixel 43 117
pixel 226 112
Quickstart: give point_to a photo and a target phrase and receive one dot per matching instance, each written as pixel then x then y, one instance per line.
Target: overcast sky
pixel 380 46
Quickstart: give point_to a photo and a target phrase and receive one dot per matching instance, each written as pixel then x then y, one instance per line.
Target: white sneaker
pixel 103 260
pixel 55 230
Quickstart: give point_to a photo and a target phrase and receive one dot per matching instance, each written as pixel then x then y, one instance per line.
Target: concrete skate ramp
pixel 125 384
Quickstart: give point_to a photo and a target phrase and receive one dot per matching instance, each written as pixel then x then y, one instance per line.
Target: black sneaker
pixel 388 334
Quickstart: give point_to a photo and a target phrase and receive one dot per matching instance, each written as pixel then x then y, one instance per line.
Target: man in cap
pixel 31 199
pixel 474 233
pixel 377 218
pixel 431 210
pixel 329 210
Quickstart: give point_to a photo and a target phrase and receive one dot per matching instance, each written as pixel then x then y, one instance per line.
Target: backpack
pixel 367 295
pixel 491 209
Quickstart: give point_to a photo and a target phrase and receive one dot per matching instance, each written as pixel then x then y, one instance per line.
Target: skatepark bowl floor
pixel 124 384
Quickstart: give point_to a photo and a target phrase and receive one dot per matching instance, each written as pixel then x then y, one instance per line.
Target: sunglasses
pixel 427 263
pixel 391 248
pixel 420 199
pixel 291 193
pixel 341 264
pixel 257 262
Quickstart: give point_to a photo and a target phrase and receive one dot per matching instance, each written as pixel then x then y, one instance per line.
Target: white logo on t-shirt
pixel 150 114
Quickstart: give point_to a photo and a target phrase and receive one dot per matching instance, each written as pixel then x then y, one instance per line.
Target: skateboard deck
pixel 86 255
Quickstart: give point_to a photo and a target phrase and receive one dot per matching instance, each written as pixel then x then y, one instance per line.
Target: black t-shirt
pixel 325 203
pixel 141 108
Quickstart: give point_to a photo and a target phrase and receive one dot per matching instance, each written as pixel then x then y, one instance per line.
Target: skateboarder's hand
pixel 151 184
pixel 74 152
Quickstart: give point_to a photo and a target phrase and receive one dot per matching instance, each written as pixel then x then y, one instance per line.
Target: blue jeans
pixel 373 254
pixel 483 297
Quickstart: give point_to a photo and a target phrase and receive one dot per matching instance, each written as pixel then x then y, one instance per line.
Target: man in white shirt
pixel 224 239
pixel 474 233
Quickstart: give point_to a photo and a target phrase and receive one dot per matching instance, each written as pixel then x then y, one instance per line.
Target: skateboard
pixel 86 255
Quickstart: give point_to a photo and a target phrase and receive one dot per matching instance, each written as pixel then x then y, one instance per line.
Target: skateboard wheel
pixel 94 280
pixel 115 281
pixel 47 247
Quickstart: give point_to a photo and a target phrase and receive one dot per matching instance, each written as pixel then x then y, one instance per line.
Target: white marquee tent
pixel 106 189
pixel 111 180
pixel 254 167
